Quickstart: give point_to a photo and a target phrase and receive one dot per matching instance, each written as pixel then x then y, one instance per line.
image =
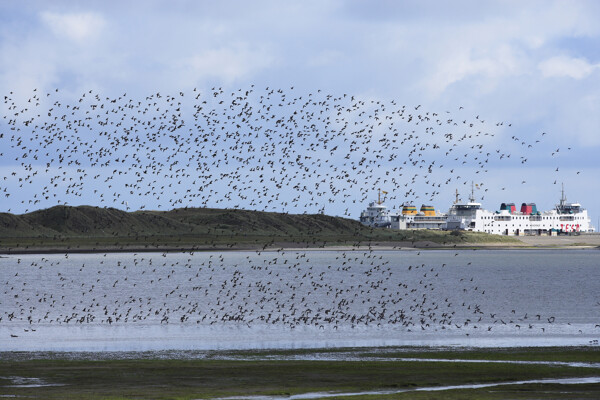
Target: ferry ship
pixel 378 216
pixel 565 218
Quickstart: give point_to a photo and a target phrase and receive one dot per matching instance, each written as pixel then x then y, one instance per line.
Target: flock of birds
pixel 270 150
pixel 289 289
pixel 262 149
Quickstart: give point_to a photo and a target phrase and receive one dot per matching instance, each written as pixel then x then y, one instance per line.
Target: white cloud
pixel 229 63
pixel 76 27
pixel 325 58
pixel 580 119
pixel 491 67
pixel 561 66
pixel 484 49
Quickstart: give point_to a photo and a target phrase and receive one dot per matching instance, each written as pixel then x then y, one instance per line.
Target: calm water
pixel 293 299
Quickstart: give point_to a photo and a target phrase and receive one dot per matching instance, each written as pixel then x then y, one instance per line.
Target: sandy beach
pixel 523 242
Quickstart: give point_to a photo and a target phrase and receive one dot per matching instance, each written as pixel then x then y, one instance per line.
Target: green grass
pixel 516 392
pixel 562 354
pixel 188 379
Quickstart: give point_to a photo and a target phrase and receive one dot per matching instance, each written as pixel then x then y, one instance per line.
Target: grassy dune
pixel 87 228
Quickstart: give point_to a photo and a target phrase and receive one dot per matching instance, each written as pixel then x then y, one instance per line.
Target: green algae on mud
pixel 206 378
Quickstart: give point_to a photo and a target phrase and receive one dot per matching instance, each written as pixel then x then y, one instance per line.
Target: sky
pixel 530 70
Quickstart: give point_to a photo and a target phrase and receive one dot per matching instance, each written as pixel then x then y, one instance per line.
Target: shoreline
pixel 287 246
pixel 587 353
pixel 4 253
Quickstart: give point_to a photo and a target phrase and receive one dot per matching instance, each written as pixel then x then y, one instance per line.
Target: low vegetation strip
pixel 59 378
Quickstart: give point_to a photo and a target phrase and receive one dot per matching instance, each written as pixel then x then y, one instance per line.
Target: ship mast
pixel 379 196
pixel 472 198
pixel 563 199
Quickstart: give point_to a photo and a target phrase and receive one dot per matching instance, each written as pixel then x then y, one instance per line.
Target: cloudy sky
pixel 534 64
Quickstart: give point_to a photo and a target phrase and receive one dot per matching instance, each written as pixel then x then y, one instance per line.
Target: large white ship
pixel 565 218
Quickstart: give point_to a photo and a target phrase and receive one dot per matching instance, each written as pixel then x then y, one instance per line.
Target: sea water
pixel 299 299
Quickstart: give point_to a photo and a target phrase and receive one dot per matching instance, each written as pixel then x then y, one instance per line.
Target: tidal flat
pixel 394 373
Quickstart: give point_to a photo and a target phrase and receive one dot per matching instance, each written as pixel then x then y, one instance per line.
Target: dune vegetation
pixel 86 228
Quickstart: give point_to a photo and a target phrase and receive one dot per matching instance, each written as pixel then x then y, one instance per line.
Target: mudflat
pixel 402 373
pixel 582 240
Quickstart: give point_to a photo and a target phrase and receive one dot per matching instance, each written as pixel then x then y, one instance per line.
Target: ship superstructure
pixel 565 218
pixel 426 218
pixel 465 216
pixel 377 215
